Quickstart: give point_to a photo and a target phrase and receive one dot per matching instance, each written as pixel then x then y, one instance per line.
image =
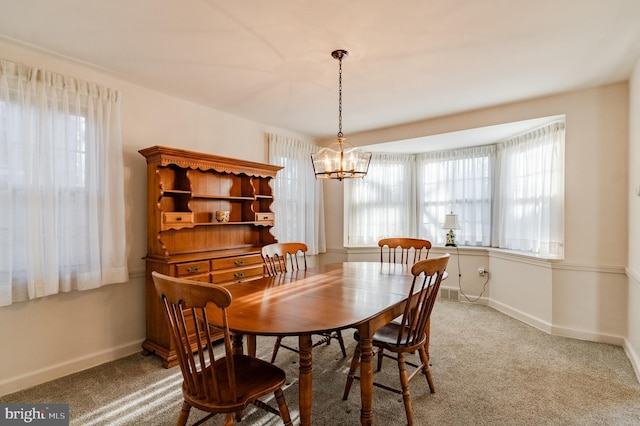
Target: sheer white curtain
pixel 382 204
pixel 61 185
pixel 458 181
pixel 298 204
pixel 529 207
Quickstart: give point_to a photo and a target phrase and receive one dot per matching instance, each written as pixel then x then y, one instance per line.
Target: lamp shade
pixel 451 221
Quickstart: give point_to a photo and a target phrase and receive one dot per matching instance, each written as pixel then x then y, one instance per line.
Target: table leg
pixel 251 345
pixel 305 379
pixel 366 378
pixel 236 344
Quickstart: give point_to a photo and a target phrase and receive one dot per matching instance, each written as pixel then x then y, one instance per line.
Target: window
pixel 459 181
pixel 529 207
pixel 61 185
pixel 507 195
pixel 382 203
pixel 298 200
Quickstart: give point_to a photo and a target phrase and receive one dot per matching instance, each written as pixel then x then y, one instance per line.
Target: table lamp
pixel 451 223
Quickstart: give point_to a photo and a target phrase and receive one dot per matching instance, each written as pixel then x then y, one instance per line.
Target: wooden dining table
pixel 359 295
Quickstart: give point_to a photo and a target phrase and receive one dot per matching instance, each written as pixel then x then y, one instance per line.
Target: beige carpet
pixel 488 369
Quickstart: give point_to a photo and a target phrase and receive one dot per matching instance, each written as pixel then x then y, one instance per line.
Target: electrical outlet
pixel 482 271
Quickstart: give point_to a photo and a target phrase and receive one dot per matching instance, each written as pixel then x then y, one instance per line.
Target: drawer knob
pixel 192 270
pixel 239 262
pixel 239 274
pixel 178 218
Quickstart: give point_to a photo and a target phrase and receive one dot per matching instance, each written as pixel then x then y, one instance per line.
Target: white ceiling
pixel 269 60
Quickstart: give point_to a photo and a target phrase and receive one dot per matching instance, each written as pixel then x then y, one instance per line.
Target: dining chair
pixel 215 384
pixel 279 258
pixel 410 334
pixel 403 250
pixel 407 251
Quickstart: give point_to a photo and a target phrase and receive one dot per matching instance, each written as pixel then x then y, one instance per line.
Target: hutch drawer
pixel 188 269
pixel 265 217
pixel 236 261
pixel 237 274
pixel 177 219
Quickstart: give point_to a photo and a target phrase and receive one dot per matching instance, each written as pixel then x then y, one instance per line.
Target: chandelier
pixel 340 160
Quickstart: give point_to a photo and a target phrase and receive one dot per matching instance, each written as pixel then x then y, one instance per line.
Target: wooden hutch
pixel 184 191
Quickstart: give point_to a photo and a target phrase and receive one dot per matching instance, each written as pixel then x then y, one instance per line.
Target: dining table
pixel 363 296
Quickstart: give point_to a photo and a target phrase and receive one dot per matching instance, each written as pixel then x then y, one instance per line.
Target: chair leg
pixel 352 372
pixel 404 383
pixel 282 407
pixel 341 342
pixel 184 414
pixel 426 370
pixel 380 357
pixel 275 349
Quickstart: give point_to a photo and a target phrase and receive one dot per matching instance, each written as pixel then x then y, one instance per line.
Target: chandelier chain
pixel 340 99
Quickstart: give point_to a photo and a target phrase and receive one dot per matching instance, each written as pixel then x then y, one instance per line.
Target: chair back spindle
pixel 279 258
pixel 186 307
pixel 427 277
pixel 403 250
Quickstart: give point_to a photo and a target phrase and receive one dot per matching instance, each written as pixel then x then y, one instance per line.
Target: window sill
pixel 467 250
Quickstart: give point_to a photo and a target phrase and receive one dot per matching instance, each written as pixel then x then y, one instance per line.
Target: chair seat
pixel 386 337
pixel 254 379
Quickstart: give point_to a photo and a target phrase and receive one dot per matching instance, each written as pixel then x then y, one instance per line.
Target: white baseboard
pixel 633 357
pixel 521 316
pixel 555 330
pixel 587 335
pixel 25 381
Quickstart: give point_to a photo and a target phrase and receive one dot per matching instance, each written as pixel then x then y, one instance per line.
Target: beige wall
pixel 633 265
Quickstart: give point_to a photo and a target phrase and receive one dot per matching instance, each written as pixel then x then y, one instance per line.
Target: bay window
pixel 507 195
